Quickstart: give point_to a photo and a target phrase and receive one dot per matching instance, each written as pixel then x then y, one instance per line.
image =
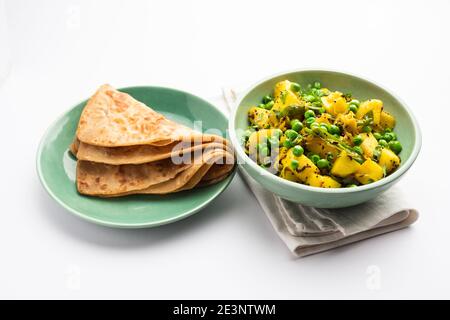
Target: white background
pixel 63 50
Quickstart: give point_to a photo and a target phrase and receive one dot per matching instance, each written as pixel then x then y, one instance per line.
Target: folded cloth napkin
pixel 307 230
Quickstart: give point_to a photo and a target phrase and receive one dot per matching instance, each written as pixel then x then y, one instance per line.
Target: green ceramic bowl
pixel 56 166
pixel 407 130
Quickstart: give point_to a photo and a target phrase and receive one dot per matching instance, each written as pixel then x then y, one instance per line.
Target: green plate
pixel 56 166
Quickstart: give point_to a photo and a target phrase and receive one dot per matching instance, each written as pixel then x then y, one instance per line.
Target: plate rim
pixel 185 214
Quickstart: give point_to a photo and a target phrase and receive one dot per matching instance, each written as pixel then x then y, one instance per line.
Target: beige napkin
pixel 307 230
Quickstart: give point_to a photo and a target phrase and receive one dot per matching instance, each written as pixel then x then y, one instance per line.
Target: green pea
pixel 322 110
pixel 276 133
pixel 367 129
pixel 382 142
pixel 295 87
pixel 351 185
pixel 299 139
pixel 317 85
pixel 357 140
pixel 310 121
pixel 262 105
pixel 260 146
pixel 394 135
pixel 334 129
pixel 395 146
pixel 314 126
pixel 296 125
pixel 309 114
pixel 358 149
pixel 323 163
pixel 353 108
pixel 324 126
pixel 294 164
pixel 310 98
pixel 274 142
pixel 314 91
pixel 377 135
pixel 264 151
pixel 288 143
pixel 355 102
pixel 330 156
pixel 291 134
pixel 314 158
pixel 269 105
pixel 298 151
pixel 367 121
pixel 317 104
pixel 266 99
pixel 388 136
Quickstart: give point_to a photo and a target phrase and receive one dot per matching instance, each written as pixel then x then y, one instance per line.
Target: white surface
pixel 63 50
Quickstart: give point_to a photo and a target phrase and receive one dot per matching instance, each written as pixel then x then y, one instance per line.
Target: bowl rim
pixel 275 179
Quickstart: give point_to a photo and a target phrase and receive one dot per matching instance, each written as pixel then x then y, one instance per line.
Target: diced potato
pixel 314 180
pixel 305 166
pixel 286 100
pixel 280 87
pixel 369 144
pixel 374 105
pixel 287 174
pixel 348 122
pixel 327 102
pixel 259 136
pixel 255 138
pixel 259 117
pixel 319 146
pixel 329 182
pixel 389 160
pixel 387 120
pixel 275 122
pixel 376 111
pixel 324 118
pixel 282 152
pixel 325 91
pixel 340 106
pixel 348 138
pixel 291 99
pixel 364 108
pixel 335 103
pixel 369 172
pixel 317 180
pixel 344 165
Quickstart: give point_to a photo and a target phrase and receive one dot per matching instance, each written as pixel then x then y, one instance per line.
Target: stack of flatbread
pixel 124 147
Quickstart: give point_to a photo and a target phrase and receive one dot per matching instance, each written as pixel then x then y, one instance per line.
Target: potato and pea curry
pixel 322 138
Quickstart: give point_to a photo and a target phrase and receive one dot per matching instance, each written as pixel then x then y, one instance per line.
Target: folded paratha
pixel 141 153
pixel 124 147
pixel 158 177
pixel 112 118
pixel 99 179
